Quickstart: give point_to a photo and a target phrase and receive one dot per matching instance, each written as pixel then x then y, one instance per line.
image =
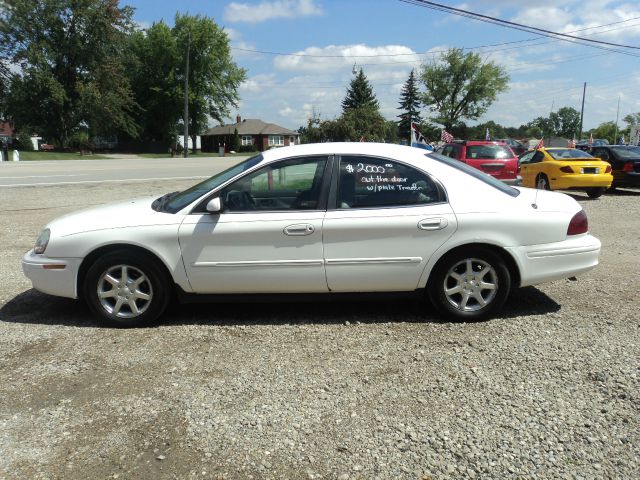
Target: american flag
pixel 571 143
pixel 591 138
pixel 540 144
pixel 446 136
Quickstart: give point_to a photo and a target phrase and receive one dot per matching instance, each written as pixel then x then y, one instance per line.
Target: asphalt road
pixel 116 170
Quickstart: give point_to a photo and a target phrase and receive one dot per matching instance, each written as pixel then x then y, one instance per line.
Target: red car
pixel 495 158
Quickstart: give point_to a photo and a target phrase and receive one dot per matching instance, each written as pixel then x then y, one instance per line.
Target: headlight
pixel 42 241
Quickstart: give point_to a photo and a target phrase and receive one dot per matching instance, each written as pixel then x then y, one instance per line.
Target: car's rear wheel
pixel 542 182
pixel 470 284
pixel 595 192
pixel 126 290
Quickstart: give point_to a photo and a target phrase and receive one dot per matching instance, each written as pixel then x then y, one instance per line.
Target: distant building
pixel 252 132
pixel 6 132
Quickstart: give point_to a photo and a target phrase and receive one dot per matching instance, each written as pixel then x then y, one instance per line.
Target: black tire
pixel 134 289
pixel 542 182
pixel 483 281
pixel 595 192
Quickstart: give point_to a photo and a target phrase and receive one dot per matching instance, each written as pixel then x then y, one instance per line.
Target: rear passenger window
pixel 377 182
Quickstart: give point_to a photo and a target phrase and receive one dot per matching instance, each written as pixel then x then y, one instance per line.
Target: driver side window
pixel 292 184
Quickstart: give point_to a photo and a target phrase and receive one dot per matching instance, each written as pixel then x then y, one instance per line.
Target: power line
pixel 506 23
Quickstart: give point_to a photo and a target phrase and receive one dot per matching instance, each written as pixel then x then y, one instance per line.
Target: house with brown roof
pixel 252 132
pixel 6 132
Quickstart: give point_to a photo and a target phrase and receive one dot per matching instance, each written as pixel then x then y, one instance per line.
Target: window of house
pixel 247 140
pixel 377 182
pixel 276 140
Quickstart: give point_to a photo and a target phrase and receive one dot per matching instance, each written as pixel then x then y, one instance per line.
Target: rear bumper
pixel 568 182
pixel 629 179
pixel 55 276
pixel 553 261
pixel 514 182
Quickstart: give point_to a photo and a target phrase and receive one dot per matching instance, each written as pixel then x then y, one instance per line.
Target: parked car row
pixel 593 169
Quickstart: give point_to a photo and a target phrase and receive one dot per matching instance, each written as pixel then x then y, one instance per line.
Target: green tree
pixel 632 119
pixel 359 94
pixel 70 54
pixel 566 122
pixel 460 86
pixel 152 63
pixel 236 141
pixel 214 78
pixel 409 106
pixel 605 130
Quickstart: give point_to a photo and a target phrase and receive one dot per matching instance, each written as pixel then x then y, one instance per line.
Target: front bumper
pixel 553 261
pixel 55 276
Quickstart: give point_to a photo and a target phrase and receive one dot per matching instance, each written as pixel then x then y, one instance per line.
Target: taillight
pixel 608 169
pixel 628 167
pixel 578 224
pixel 566 169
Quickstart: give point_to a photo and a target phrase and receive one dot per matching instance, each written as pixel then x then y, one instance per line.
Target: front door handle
pixel 299 229
pixel 433 224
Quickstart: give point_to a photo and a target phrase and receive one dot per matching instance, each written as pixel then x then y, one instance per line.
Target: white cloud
pixel 258 84
pixel 339 58
pixel 265 10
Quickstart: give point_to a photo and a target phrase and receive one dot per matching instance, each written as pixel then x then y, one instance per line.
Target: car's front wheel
pixel 469 284
pixel 595 192
pixel 126 290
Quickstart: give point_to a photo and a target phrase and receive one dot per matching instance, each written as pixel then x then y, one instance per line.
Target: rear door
pixel 387 220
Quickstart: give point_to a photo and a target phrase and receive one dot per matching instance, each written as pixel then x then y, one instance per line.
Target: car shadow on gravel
pixel 33 307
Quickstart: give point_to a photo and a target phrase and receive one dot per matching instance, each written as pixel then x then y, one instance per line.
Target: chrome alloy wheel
pixel 124 291
pixel 470 285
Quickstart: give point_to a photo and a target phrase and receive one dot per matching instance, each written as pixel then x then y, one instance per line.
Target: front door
pixel 268 237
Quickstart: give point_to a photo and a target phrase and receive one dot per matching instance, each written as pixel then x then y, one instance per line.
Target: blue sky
pixel 387 38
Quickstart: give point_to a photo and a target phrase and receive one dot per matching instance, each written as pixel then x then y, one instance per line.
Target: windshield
pixel 488 151
pixel 568 154
pixel 179 200
pixel 474 172
pixel 628 152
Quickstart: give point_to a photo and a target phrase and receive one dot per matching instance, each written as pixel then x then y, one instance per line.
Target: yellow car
pixel 565 169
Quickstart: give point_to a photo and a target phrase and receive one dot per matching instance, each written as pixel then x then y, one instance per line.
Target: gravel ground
pixel 352 390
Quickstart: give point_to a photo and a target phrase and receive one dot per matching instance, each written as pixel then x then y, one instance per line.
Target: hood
pixel 130 213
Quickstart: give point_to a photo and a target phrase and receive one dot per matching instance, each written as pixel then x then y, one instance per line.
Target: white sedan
pixel 318 219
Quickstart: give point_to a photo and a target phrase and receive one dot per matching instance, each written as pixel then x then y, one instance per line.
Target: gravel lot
pixel 335 391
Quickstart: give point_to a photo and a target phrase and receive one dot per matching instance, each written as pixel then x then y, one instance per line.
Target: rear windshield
pixel 488 152
pixel 568 153
pixel 628 152
pixel 474 172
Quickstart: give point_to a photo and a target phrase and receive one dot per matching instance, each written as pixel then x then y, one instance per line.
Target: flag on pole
pixel 362 139
pixel 487 136
pixel 446 136
pixel 571 143
pixel 590 139
pixel 540 144
pixel 417 139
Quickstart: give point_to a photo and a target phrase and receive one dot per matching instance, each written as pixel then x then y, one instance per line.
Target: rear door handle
pixel 433 224
pixel 299 229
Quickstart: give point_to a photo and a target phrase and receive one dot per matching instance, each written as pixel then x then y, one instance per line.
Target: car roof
pixel 345 148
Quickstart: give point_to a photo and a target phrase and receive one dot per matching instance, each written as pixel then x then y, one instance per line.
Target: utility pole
pixel 615 137
pixel 584 91
pixel 185 150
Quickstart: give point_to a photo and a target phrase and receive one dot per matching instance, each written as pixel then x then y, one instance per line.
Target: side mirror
pixel 214 205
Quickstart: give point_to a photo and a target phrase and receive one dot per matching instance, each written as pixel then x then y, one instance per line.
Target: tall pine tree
pixel 410 106
pixel 359 94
